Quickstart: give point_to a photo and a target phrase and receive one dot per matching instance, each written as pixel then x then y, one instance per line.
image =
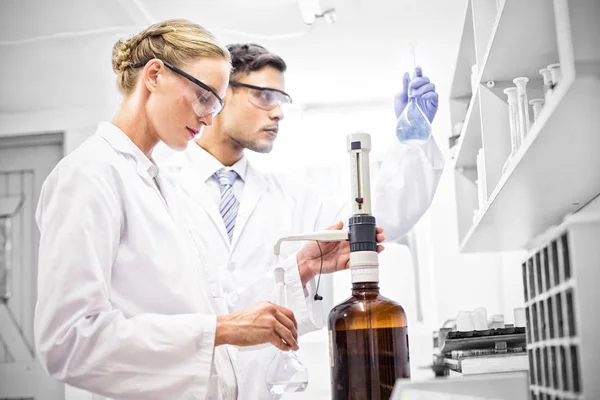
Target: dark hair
pixel 250 57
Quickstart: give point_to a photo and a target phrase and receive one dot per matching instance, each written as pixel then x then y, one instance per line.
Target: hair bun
pixel 121 55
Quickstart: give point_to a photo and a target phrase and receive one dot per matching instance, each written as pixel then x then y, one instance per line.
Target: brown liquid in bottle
pixel 369 344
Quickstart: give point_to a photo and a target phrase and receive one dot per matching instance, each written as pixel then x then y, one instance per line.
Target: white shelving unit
pixel 547 199
pixel 557 169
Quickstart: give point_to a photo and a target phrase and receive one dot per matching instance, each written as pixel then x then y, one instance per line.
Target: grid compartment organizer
pixel 561 281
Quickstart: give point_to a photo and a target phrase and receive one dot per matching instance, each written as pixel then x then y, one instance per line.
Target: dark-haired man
pixel 240 212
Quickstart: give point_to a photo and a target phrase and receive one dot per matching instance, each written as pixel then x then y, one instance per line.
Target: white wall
pixel 77 124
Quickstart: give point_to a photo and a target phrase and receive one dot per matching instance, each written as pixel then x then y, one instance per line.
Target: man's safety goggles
pixel 263 97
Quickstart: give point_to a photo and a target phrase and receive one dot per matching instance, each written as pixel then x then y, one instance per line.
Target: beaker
pixel 522 105
pixel 285 372
pixel 464 322
pixel 520 319
pixel 479 317
pixel 497 322
pixel 537 107
pixel 547 87
pixel 513 118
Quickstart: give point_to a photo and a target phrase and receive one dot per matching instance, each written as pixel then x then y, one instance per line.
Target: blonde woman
pixel 125 310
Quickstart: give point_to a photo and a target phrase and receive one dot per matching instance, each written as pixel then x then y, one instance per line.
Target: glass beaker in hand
pixel 413 127
pixel 286 374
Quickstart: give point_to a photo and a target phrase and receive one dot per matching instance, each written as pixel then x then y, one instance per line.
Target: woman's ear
pixel 151 73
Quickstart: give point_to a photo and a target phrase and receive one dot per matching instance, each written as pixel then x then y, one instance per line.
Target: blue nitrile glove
pixel 423 90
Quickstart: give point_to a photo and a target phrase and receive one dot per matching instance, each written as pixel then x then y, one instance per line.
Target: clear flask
pixel 523 106
pixel 513 121
pixel 412 126
pixel 285 372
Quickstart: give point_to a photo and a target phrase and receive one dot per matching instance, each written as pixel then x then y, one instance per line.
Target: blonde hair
pixel 175 41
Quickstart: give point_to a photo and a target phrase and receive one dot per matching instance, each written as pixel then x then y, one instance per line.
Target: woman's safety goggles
pixel 204 100
pixel 265 98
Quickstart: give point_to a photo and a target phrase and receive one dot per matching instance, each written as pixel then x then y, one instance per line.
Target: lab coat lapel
pixel 199 192
pixel 118 141
pixel 254 187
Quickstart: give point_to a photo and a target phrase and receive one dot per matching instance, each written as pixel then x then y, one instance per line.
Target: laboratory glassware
pixel 537 107
pixel 513 121
pixel 285 372
pixel 412 126
pixel 547 87
pixel 497 322
pixel 479 317
pixel 555 73
pixel 519 316
pixel 368 340
pixel 522 105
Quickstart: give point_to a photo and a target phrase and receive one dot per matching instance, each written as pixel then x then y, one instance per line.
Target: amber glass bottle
pixel 368 342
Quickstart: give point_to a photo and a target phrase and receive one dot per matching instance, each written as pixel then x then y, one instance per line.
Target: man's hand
pixel 257 324
pixel 336 255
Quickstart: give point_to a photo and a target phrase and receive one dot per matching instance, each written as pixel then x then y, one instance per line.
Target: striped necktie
pixel 228 206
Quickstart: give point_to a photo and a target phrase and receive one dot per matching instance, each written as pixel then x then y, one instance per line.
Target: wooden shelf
pixel 555 172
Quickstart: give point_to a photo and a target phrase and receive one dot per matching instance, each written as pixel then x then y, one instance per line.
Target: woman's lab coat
pixel 124 307
pixel 270 208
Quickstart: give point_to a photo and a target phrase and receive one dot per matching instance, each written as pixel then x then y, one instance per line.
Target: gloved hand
pixel 423 90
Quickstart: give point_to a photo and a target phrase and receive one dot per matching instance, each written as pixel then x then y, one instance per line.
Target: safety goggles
pixel 263 97
pixel 204 100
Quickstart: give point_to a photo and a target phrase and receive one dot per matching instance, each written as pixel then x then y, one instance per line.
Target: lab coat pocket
pixel 209 273
pixel 213 387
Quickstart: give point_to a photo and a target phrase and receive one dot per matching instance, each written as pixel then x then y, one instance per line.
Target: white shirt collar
pixel 206 164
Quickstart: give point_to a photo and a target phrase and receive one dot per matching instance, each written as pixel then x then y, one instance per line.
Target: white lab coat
pixel 124 306
pixel 271 207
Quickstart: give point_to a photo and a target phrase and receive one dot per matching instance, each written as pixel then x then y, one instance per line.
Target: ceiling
pixel 59 51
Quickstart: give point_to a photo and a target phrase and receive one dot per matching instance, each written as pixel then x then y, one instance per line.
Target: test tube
pixel 537 107
pixel 547 88
pixel 513 121
pixel 555 73
pixel 522 105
